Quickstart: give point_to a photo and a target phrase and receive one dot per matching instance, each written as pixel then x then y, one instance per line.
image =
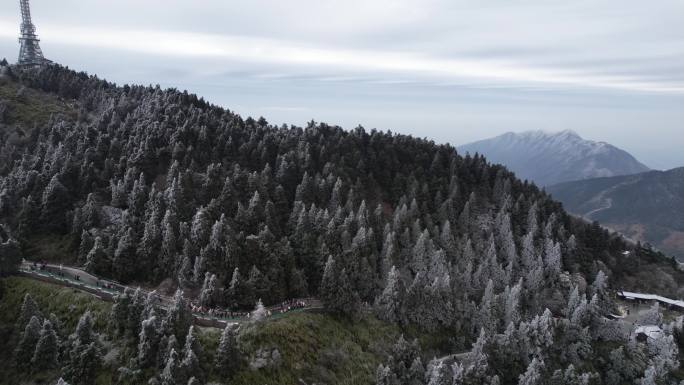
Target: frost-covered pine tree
pixel 178 317
pixel 148 345
pixel 477 370
pixel 84 333
pixel 209 290
pixel 600 284
pixel 512 305
pixel 135 313
pixel 29 309
pixel 191 343
pixel 649 378
pixel 168 253
pixel 27 342
pixel 533 373
pixel 385 376
pixel 348 300
pixel 201 227
pixel 189 366
pixel 573 301
pixel 529 252
pixel 486 316
pixel 84 364
pixel 47 347
pixel 652 316
pixel 260 313
pixel 541 332
pixel 124 261
pixel 389 304
pixel 167 343
pixel 665 355
pixel 227 354
pixel 97 259
pixel 55 200
pixel 416 372
pixel 171 370
pixel 438 373
pixel 329 282
pixel 118 318
pixel 238 293
pixel 552 260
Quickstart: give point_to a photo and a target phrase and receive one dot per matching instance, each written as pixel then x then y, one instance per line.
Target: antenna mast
pixel 30 53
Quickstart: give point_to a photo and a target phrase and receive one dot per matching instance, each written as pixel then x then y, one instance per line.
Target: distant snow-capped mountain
pixel 551 158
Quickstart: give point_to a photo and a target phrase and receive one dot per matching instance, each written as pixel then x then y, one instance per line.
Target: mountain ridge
pixel 565 156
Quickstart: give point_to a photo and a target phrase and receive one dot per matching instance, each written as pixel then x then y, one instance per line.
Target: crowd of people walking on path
pixel 281 308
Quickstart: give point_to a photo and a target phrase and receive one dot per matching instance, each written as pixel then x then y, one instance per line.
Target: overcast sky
pixel 450 70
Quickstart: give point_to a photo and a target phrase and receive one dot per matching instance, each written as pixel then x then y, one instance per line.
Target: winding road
pixel 107 290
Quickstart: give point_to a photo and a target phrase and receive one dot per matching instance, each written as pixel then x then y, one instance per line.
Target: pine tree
pixel 541 332
pixel 389 305
pixel 552 260
pixel 168 253
pixel 347 301
pixel 148 345
pixel 239 294
pixel 649 377
pixel 118 318
pixel 227 354
pixel 29 309
pixel 260 313
pixel 329 282
pixel 259 284
pixel 27 342
pixel 209 291
pixel 171 370
pixel 512 305
pixel 135 313
pixel 532 375
pixel 84 247
pixel 55 201
pixel 84 354
pixel 439 374
pixel 45 355
pixel 651 317
pixel 84 334
pixel 384 376
pixel 192 352
pixel 167 343
pixel 178 317
pixel 486 316
pixel 138 196
pixel 416 372
pixel 84 364
pixel 97 260
pixel 125 259
pixel 201 227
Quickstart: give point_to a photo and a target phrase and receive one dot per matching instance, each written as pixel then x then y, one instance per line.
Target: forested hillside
pixel 145 185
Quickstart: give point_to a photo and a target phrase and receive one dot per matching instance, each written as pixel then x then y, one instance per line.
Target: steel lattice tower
pixel 30 53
